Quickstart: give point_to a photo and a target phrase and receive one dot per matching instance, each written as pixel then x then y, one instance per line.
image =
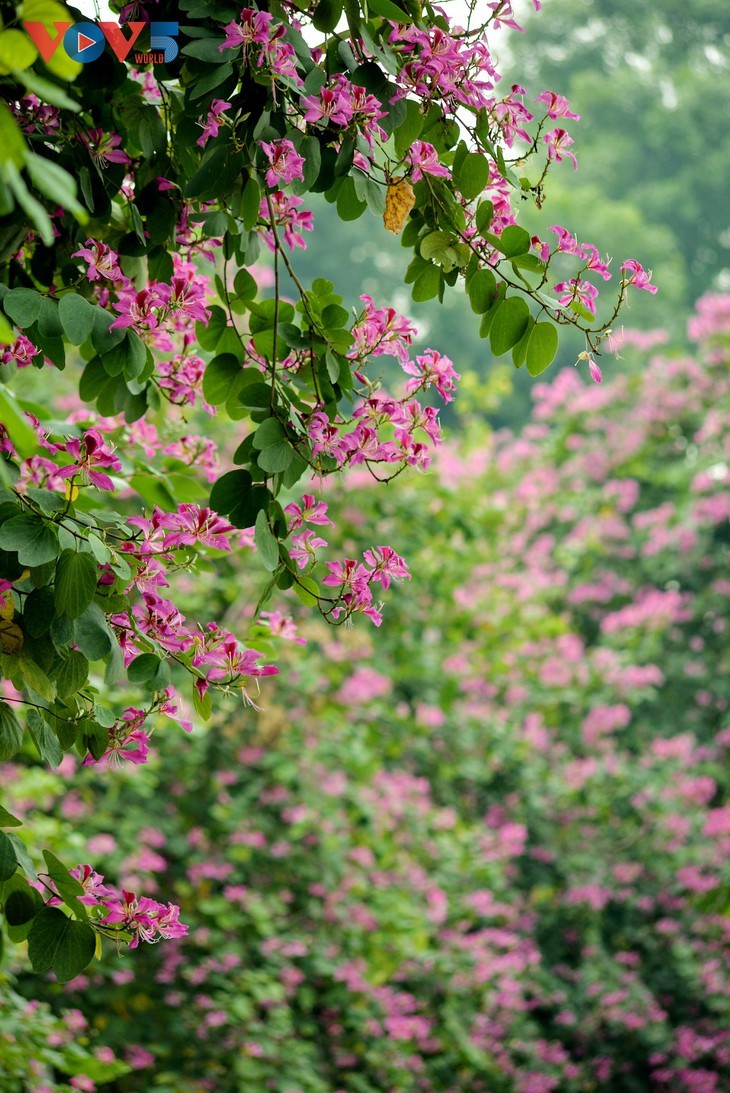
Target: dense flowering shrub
pixel 141 178
pixel 487 850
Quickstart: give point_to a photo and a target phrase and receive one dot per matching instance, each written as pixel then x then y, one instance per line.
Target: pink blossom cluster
pixel 144 918
pixel 261 41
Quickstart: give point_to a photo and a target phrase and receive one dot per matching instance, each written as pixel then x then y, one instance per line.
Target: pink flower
pixel 94 890
pixel 21 352
pixel 331 106
pixel 310 511
pixel 126 731
pixel 424 159
pixel 286 163
pixel 213 122
pixel 104 147
pixel 89 453
pixel 101 260
pixel 387 565
pixel 639 277
pixel 287 215
pixel 558 142
pixel 432 368
pixel 557 105
pixel 582 291
pixel 594 371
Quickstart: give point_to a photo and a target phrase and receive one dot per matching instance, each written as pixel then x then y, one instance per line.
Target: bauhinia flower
pixel 638 276
pixel 285 162
pixel 88 454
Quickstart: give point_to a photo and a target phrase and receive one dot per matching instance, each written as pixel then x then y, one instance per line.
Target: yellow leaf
pixel 71 492
pixel 399 200
pixel 11 636
pixel 7 607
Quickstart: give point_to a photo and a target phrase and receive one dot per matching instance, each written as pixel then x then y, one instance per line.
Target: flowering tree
pixel 140 282
pixel 489 840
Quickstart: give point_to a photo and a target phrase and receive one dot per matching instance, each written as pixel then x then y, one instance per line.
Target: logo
pixel 85 42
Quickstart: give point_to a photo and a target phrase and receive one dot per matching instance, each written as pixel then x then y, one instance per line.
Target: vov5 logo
pixel 85 42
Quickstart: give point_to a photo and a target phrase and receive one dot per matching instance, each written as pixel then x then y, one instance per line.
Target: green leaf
pixel 78 317
pixel 519 350
pixel 34 210
pixel 34 540
pixel 11 733
pixel 8 820
pixel 276 458
pixel 269 432
pixel 427 284
pixel 22 904
pixel 472 176
pixel 129 357
pixel 20 432
pixel 220 376
pixel 541 348
pixel 60 943
pixel 513 241
pixel 327 15
pixel 209 334
pixel 92 634
pixel 349 205
pixel 72 674
pixel 434 245
pixel 35 678
pixel 46 90
pixel 409 129
pixel 484 216
pixel 75 582
pixel 307 590
pixel 509 324
pixel 482 290
pixel 230 490
pixel 14 148
pixel 23 306
pixel 389 10
pixel 8 860
pixel 250 205
pixel 202 704
pixel 149 668
pixel 21 853
pixel 44 739
pixel 17 51
pixel 266 543
pixel 56 184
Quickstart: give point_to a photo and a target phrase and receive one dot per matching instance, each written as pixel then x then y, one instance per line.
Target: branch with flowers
pixel 139 205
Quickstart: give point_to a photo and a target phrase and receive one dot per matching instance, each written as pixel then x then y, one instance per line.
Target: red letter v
pixel 46 45
pixel 115 37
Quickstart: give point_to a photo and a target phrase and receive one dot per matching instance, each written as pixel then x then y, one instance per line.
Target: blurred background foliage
pixel 652 86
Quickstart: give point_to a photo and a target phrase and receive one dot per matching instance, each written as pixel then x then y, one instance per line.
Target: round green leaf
pixel 230 490
pixel 78 317
pixel 509 324
pixel 220 376
pixel 473 175
pixel 482 290
pixel 541 348
pixel 75 582
pixel 22 905
pixel 60 943
pixel 33 538
pixel 91 633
